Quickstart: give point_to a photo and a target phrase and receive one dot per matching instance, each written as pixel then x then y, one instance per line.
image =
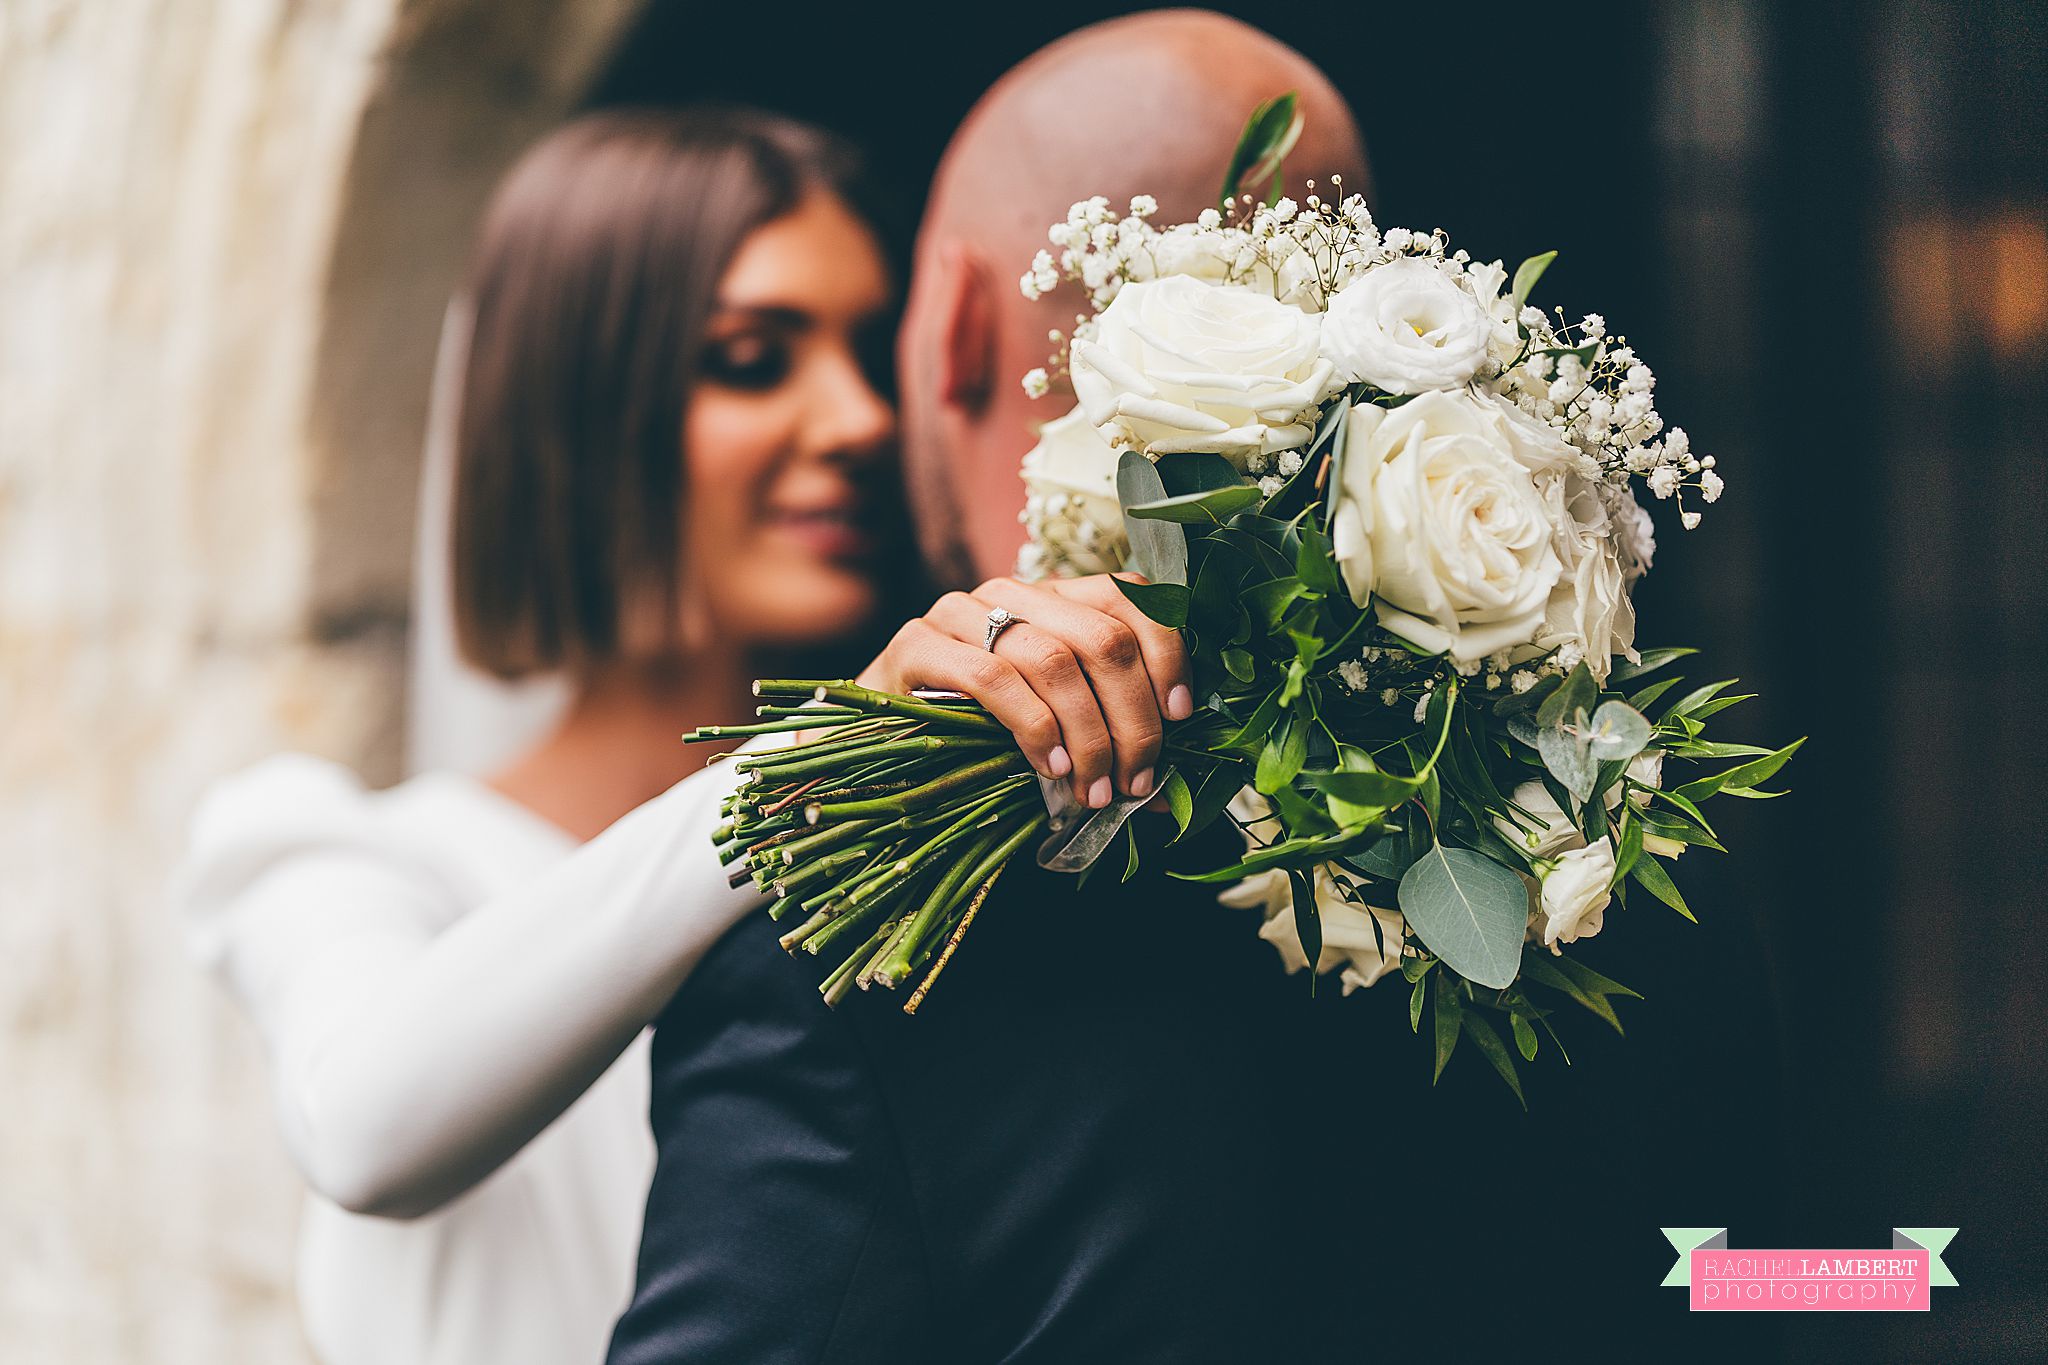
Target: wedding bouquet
pixel 1391 507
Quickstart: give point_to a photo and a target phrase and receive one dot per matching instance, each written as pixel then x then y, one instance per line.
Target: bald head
pixel 1149 104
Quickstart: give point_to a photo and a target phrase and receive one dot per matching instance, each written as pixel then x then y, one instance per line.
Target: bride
pixel 668 449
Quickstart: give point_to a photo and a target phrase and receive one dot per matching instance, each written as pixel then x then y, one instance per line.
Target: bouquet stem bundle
pixel 880 836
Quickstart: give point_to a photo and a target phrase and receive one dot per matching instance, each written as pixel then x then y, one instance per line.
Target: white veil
pixel 458 718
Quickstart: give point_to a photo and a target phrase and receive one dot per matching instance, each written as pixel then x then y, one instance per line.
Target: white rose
pixel 1575 893
pixel 1211 254
pixel 1406 327
pixel 1178 365
pixel 1439 523
pixel 1364 941
pixel 1589 608
pixel 1071 507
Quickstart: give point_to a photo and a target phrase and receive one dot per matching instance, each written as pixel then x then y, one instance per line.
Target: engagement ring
pixel 1000 619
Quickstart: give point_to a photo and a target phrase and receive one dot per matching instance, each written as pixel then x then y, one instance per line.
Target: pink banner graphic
pixel 1812 1281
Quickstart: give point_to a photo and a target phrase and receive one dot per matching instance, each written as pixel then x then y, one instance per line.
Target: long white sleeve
pixel 413 1056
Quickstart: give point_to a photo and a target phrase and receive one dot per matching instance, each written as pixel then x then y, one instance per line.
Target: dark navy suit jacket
pixel 1117 1132
pixel 1114 1131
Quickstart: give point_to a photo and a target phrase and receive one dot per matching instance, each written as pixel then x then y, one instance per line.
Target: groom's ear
pixel 966 315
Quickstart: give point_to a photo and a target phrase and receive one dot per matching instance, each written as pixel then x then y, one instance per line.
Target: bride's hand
pixel 1082 678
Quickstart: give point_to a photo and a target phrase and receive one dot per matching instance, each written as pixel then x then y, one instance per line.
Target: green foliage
pixel 1468 910
pixel 1166 603
pixel 1526 275
pixel 1269 135
pixel 1158 550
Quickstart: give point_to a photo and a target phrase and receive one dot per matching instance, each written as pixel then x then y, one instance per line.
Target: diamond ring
pixel 1000 619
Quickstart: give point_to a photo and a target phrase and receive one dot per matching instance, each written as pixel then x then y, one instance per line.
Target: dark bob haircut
pixel 595 273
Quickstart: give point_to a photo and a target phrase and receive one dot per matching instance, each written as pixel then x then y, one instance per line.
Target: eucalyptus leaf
pixel 1619 731
pixel 1468 910
pixel 1415 1005
pixel 1570 760
pixel 1159 550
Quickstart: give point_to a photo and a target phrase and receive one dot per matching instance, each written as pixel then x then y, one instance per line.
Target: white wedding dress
pixel 453 998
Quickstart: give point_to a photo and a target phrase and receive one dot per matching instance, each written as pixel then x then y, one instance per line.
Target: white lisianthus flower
pixel 1439 525
pixel 1406 327
pixel 1486 280
pixel 1647 768
pixel 1635 536
pixel 1558 833
pixel 1363 940
pixel 1589 610
pixel 1575 894
pixel 1076 523
pixel 1177 365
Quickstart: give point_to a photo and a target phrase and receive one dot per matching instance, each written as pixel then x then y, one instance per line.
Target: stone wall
pixel 227 228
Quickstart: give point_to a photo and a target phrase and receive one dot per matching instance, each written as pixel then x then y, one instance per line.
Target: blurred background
pixel 228 229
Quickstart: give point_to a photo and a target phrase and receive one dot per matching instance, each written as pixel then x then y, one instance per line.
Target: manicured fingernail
pixel 1141 785
pixel 1099 794
pixel 1058 761
pixel 1180 703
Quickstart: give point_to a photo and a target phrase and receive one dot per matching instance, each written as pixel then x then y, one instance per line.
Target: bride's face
pixel 785 432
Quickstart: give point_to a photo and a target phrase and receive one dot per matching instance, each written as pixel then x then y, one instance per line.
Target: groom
pixel 1116 1132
